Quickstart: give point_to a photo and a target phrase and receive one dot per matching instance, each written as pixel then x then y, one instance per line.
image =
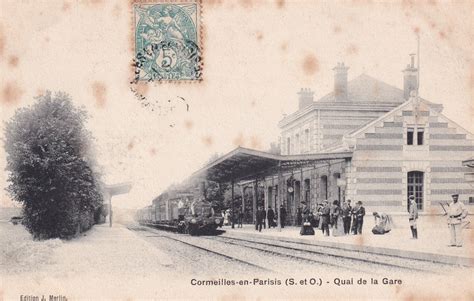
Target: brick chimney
pixel 305 98
pixel 340 82
pixel 410 78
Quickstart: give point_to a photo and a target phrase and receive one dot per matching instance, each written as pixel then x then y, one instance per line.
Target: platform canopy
pixel 244 164
pixel 119 188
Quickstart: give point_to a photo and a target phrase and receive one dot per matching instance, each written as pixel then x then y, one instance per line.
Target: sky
pixel 257 56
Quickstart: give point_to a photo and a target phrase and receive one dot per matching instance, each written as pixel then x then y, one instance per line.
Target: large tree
pixel 51 170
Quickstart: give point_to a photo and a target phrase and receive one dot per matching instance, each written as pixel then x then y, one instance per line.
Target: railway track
pixel 336 257
pixel 235 259
pixel 288 253
pixel 200 247
pixel 284 256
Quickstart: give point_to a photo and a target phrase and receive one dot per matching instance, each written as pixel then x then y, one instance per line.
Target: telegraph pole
pixel 418 64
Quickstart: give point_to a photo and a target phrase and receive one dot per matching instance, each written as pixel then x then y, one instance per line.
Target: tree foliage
pixel 51 171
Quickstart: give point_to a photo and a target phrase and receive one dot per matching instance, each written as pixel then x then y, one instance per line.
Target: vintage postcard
pixel 236 150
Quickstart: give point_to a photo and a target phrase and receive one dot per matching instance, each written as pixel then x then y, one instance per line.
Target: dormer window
pixel 419 135
pixel 415 139
pixel 410 132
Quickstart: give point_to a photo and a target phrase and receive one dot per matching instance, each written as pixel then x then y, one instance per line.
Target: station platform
pixel 432 243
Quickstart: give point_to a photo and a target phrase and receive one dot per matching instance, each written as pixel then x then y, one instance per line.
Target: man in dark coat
pixel 325 217
pixel 346 216
pixel 260 219
pixel 282 216
pixel 358 218
pixel 270 217
pixel 240 218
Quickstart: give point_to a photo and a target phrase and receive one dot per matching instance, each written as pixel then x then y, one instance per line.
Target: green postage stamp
pixel 167 40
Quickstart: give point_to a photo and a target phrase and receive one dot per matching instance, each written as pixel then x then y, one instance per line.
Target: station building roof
pixel 365 93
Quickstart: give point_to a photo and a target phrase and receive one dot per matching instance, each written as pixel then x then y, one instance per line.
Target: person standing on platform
pixel 240 218
pixel 305 211
pixel 257 214
pixel 270 217
pixel 226 217
pixel 264 217
pixel 346 216
pixel 282 216
pixel 456 213
pixel 259 219
pixel 312 219
pixel 317 215
pixel 337 224
pixel 306 228
pixel 359 213
pixel 413 216
pixel 354 218
pixel 325 216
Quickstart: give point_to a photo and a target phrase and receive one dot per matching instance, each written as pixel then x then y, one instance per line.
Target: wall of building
pixel 304 145
pixel 382 159
pixel 325 127
pixel 334 124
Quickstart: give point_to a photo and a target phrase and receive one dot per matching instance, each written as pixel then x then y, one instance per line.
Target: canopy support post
pixel 242 190
pixel 254 201
pixel 233 209
pixel 279 202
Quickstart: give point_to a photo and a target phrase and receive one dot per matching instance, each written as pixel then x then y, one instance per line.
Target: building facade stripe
pixel 379 147
pixel 384 135
pixel 463 148
pixel 379 169
pixel 452 191
pixel 379 191
pixel 379 180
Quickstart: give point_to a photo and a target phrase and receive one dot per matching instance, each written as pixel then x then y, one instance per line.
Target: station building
pixel 365 141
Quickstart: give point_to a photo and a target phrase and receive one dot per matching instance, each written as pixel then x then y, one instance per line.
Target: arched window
pixel 415 187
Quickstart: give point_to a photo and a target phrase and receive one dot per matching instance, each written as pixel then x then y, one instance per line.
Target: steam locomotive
pixel 182 213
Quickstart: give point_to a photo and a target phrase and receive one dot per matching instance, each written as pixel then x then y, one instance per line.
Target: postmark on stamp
pixel 167 41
